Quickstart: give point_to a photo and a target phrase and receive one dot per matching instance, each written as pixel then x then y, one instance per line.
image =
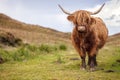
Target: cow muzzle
pixel 81 29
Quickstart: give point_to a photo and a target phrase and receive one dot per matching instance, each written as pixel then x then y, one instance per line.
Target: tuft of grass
pixel 5 55
pixel 21 54
pixel 63 47
pixel 45 48
pixel 31 48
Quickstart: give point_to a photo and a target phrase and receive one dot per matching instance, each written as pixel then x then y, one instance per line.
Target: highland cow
pixel 88 36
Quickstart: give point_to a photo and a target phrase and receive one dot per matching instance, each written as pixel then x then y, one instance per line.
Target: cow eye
pixel 87 21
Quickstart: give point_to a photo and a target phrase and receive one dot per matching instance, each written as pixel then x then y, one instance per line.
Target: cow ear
pixel 70 18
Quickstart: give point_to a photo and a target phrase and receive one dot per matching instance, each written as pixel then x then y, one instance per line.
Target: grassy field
pixel 47 54
pixel 58 62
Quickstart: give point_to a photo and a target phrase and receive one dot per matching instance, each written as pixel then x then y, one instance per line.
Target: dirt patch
pixel 74 59
pixel 109 71
pixel 118 60
pixel 1 60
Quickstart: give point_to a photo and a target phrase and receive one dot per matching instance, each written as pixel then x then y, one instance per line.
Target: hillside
pixel 114 40
pixel 34 34
pixel 38 34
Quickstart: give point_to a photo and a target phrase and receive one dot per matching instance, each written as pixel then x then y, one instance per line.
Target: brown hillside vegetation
pixel 8 39
pixel 34 34
pixel 114 40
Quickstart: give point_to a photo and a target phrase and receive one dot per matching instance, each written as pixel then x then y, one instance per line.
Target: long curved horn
pixel 64 10
pixel 93 13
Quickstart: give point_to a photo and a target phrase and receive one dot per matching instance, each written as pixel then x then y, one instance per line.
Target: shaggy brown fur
pixel 91 40
pixel 88 36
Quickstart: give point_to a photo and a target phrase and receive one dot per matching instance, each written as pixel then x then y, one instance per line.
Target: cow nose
pixel 81 28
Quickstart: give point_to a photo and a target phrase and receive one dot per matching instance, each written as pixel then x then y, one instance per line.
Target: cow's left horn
pixel 98 10
pixel 64 10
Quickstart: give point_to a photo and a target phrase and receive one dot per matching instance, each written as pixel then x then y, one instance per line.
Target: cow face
pixel 81 19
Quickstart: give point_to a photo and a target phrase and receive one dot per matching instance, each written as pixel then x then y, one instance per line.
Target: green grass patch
pixel 62 47
pixel 55 64
pixel 26 52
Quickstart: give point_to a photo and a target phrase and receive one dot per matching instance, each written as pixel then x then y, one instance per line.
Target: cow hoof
pixel 92 69
pixel 82 68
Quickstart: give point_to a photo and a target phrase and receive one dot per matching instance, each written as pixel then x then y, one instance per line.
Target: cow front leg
pixel 83 56
pixel 92 58
pixel 83 64
pixel 92 62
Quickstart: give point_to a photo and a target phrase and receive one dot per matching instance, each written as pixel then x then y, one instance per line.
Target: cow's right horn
pixel 64 10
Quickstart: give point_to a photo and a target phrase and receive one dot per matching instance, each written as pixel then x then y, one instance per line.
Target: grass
pixel 30 51
pixel 52 63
